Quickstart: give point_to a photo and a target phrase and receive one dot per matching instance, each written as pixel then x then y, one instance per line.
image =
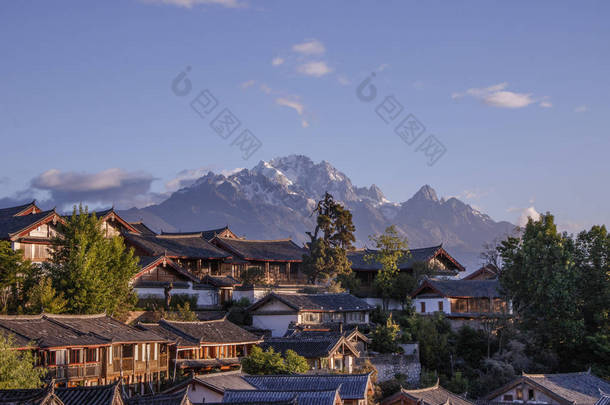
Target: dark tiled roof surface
pixel 359 262
pixel 278 250
pixel 11 211
pixel 180 339
pixel 353 386
pixel 190 246
pixel 220 281
pixel 312 347
pixel 319 302
pixel 178 398
pixel 45 333
pixel 34 396
pixel 106 327
pixel 208 234
pixel 217 331
pixel 11 224
pixel 224 381
pixel 98 395
pixel 603 400
pixel 142 228
pixel 326 397
pixel 580 388
pixel 435 395
pixel 463 288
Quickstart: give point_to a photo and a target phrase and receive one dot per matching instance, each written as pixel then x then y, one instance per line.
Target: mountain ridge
pixel 276 198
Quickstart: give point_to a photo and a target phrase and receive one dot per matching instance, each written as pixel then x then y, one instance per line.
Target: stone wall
pixel 390 364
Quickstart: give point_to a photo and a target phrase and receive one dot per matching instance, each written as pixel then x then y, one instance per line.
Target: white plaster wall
pixel 204 297
pixel 278 324
pixel 432 305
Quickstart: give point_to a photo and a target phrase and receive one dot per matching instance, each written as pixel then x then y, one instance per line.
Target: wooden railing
pixel 76 371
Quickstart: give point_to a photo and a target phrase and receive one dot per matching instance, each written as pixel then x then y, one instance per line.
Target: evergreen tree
pixel 391 249
pixel 332 237
pixel 17 368
pixel 91 271
pixel 44 298
pixel 13 272
pixel 269 362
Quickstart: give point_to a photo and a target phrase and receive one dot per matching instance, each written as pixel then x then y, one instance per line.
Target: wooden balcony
pixel 76 371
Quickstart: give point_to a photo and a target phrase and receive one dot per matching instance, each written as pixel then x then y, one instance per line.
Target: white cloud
pixel 192 3
pixel 247 84
pixel 186 178
pixel 524 214
pixel 277 61
pixel 497 96
pixel 581 109
pixel 546 104
pixel 316 69
pixel 310 47
pixel 343 80
pixel 265 89
pixel 291 103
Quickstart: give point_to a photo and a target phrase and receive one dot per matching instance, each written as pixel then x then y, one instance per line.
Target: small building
pixel 291 395
pixel 487 272
pixel 210 388
pixel 435 395
pixel 434 257
pixel 176 398
pixel 551 389
pixel 91 349
pixel 208 234
pixel 279 259
pixel 354 389
pixel 205 346
pixel 462 301
pixel 30 230
pixel 277 311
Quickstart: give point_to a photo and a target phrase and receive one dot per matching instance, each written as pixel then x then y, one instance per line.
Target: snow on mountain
pixel 275 199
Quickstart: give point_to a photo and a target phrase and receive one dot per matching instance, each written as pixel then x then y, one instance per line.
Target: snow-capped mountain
pixel 275 199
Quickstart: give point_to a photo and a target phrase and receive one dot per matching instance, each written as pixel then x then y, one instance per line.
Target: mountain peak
pixel 426 193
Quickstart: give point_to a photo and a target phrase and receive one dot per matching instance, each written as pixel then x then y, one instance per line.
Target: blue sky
pixel 517 93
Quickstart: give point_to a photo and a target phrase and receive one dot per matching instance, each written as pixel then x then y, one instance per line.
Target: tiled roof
pixel 208 234
pixel 317 302
pixel 11 224
pixel 147 261
pixel 12 211
pixel 461 288
pixel 360 262
pixel 220 281
pixel 435 395
pixel 272 250
pixel 177 398
pixel 184 247
pixel 142 228
pixel 579 388
pixel 170 334
pixel 326 397
pixel 217 331
pixel 224 381
pixel 105 327
pixel 603 400
pixel 352 386
pixel 312 347
pixel 96 395
pixel 45 333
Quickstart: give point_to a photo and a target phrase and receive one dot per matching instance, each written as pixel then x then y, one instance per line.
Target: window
pixel 155 351
pixel 440 306
pixel 422 307
pixel 530 395
pixel 520 394
pixel 507 398
pixel 75 356
pixel 91 355
pixel 128 351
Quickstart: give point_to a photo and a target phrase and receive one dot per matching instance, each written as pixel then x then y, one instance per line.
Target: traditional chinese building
pixel 205 346
pixel 462 301
pixel 435 395
pixel 487 272
pixel 435 258
pixel 277 311
pixel 51 395
pixel 551 389
pixel 91 349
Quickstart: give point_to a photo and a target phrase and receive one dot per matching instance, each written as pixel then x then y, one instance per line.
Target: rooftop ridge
pixel 255 240
pixel 433 387
pixel 180 235
pixel 76 316
pixel 21 317
pixel 268 376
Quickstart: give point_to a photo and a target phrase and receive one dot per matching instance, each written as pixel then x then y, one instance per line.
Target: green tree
pixel 332 237
pixel 540 277
pixel 253 275
pixel 44 298
pixel 13 271
pixel 17 368
pixel 385 337
pixel 391 249
pixel 269 362
pixel 91 271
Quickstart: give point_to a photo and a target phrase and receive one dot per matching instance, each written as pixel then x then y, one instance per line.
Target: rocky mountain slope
pixel 275 199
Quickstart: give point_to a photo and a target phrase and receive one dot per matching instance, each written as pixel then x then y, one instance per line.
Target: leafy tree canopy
pixel 269 362
pixel 17 368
